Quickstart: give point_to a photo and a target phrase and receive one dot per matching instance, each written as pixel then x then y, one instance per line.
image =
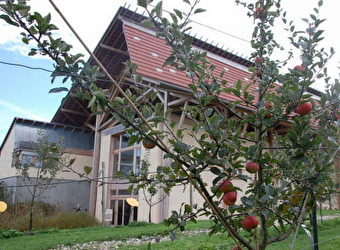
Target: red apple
pixel 259 10
pixel 257 60
pixel 304 108
pixel 256 72
pixel 268 105
pixel 250 222
pixel 225 186
pixel 299 68
pixel 148 143
pixel 230 198
pixel 252 167
pixel 336 116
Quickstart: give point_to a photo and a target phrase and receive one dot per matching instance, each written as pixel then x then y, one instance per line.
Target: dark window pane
pixel 126 162
pixel 123 192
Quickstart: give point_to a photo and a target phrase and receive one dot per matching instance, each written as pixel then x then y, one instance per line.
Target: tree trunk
pixel 150 213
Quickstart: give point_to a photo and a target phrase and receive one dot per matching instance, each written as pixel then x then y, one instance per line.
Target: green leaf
pixel 57 90
pixel 247 201
pixel 147 23
pixel 270 190
pixel 72 161
pixel 87 169
pixel 179 13
pixel 159 9
pixel 199 10
pixel 9 20
pixel 215 170
pixel 142 3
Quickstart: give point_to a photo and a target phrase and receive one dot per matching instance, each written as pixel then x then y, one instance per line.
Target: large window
pixel 126 159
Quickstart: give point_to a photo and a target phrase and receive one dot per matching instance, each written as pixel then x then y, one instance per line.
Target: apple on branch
pixel 252 167
pixel 250 222
pixel 268 106
pixel 148 143
pixel 230 198
pixel 225 186
pixel 304 108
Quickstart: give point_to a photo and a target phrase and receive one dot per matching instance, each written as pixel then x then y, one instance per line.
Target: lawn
pixel 329 237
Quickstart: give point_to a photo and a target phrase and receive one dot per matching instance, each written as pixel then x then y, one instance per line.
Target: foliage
pixel 295 152
pixel 39 171
pixel 10 233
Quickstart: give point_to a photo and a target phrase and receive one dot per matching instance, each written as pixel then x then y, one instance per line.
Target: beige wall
pixel 178 195
pixel 82 158
pixel 102 190
pixel 6 159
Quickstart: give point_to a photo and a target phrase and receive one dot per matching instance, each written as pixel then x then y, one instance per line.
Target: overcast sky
pixel 24 91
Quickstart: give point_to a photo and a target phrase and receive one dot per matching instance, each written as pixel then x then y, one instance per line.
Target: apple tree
pixel 39 170
pixel 282 135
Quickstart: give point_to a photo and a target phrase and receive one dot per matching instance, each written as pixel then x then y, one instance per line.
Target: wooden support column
pixel 164 213
pixel 95 168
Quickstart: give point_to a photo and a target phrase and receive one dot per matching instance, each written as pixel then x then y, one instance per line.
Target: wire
pixel 321 242
pixel 25 66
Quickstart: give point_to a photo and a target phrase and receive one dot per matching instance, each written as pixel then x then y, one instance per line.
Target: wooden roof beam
pixel 74 112
pixel 104 46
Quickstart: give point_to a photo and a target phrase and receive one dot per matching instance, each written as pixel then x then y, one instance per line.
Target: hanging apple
pixel 230 198
pixel 257 60
pixel 250 222
pixel 304 108
pixel 252 167
pixel 225 186
pixel 148 143
pixel 268 105
pixel 299 68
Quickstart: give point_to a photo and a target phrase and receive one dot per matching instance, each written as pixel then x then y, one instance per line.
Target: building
pixel 69 190
pixel 125 39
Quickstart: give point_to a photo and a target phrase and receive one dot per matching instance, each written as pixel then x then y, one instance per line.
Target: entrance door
pixel 123 213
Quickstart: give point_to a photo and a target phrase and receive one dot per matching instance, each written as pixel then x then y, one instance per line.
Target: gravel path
pixel 115 244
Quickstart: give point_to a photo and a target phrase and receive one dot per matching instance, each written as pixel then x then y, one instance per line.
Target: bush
pixel 10 233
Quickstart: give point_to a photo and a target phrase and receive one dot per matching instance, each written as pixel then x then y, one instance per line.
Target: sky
pixel 24 90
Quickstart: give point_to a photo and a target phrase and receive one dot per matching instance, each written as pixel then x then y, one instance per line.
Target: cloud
pixel 21 111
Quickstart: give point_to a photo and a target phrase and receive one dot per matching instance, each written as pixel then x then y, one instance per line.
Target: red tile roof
pixel 150 52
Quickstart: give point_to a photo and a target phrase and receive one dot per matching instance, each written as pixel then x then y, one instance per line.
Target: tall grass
pixel 45 216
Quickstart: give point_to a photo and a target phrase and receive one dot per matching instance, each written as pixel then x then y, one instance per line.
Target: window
pixel 29 159
pixel 126 158
pixel 26 159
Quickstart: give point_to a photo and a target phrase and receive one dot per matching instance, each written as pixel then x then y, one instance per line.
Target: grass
pixel 329 239
pixel 327 230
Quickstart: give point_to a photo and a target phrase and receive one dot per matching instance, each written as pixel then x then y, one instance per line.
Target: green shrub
pixel 10 233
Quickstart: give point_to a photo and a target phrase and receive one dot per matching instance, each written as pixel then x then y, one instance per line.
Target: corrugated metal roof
pixel 26 132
